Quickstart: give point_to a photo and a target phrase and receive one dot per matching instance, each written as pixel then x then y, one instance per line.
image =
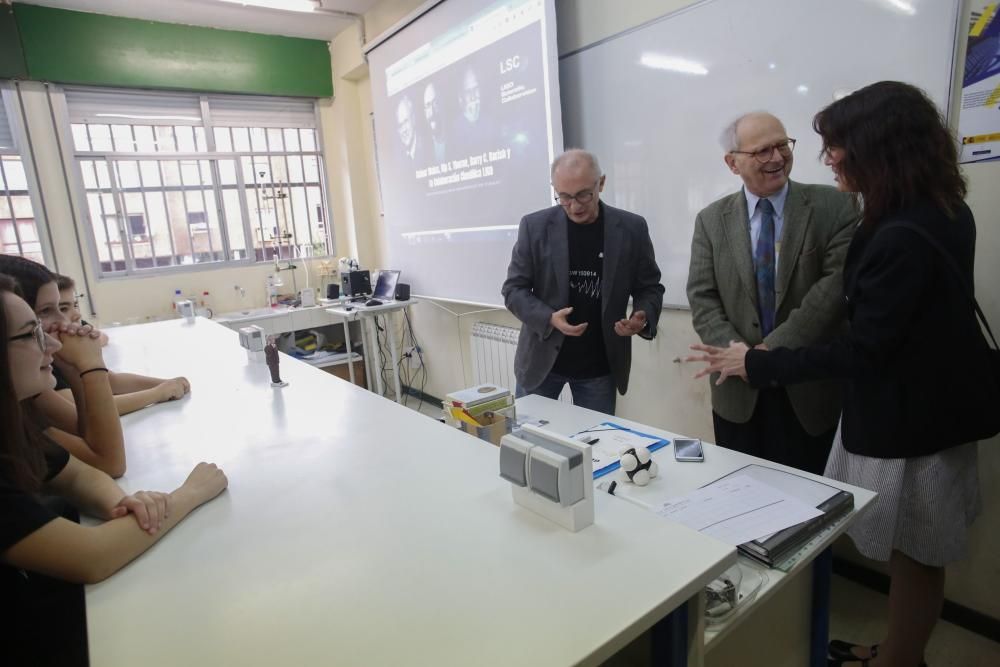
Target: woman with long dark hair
pixel 89 428
pixel 82 410
pixel 43 551
pixel 919 391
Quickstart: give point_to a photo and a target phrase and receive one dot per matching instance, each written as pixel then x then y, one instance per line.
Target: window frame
pixel 23 150
pixel 213 192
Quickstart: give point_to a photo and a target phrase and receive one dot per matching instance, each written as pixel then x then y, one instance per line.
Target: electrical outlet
pixel 413 356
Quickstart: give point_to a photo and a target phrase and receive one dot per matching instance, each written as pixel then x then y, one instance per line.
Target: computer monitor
pixel 385 287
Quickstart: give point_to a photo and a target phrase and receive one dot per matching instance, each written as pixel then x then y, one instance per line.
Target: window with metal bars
pixel 19 232
pixel 179 180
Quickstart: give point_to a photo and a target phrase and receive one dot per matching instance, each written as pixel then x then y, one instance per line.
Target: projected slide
pixel 466 126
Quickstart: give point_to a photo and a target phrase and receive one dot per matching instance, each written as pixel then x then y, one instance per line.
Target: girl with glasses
pixel 44 553
pixel 89 428
pixel 82 411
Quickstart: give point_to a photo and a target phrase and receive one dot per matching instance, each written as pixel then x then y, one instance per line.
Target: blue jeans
pixel 597 393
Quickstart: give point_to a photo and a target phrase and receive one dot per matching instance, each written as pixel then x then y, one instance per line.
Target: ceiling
pixel 218 14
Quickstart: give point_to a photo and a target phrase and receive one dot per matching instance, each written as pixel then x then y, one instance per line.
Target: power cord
pixel 421 371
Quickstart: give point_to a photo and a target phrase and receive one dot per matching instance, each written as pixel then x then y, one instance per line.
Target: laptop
pixel 385 287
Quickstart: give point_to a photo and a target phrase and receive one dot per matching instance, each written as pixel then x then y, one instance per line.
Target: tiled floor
pixel 857 614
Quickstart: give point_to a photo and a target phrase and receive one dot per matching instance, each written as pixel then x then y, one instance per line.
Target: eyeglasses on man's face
pixel 37 332
pixel 583 198
pixel 763 155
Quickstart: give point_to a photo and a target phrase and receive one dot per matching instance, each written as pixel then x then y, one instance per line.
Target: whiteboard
pixel 656 129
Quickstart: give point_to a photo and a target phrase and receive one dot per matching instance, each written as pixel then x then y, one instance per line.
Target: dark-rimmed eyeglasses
pixel 763 155
pixel 583 198
pixel 37 332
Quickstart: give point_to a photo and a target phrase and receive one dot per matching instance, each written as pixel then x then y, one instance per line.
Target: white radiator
pixel 493 347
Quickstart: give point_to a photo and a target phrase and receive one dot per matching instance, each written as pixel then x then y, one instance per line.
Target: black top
pixel 43 619
pixel 914 354
pixel 61 382
pixel 582 357
pixel 21 513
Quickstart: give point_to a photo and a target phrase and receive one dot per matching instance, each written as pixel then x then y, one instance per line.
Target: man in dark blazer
pixel 571 274
pixel 766 269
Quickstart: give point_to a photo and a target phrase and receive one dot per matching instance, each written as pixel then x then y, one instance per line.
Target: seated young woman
pixel 132 392
pixel 69 304
pixel 85 419
pixel 40 551
pixel 88 428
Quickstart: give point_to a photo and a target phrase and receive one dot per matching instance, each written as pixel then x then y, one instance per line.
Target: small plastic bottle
pixel 204 309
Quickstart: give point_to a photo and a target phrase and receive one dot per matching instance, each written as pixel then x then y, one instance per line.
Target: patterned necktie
pixel 763 260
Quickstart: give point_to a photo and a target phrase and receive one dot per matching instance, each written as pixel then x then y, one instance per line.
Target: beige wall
pixel 661 392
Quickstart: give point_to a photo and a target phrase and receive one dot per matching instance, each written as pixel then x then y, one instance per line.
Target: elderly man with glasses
pixel 766 270
pixel 572 271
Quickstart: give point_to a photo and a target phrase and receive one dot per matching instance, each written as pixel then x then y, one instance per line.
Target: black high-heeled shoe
pixel 844 651
pixel 840 652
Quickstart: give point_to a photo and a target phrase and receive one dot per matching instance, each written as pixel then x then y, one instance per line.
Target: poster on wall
pixel 979 118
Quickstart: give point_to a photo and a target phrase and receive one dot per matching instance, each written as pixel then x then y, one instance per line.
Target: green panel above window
pixel 94 49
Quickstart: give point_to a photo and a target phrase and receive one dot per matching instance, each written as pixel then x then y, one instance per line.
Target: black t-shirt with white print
pixel 583 357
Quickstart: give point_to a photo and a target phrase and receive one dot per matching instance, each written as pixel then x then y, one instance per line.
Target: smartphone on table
pixel 688 449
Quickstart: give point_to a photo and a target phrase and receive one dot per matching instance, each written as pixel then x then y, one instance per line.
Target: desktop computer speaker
pixel 402 292
pixel 333 291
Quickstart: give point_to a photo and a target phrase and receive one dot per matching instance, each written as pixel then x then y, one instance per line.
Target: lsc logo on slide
pixel 510 64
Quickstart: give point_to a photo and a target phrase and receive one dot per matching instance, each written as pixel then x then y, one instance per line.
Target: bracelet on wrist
pixel 91 370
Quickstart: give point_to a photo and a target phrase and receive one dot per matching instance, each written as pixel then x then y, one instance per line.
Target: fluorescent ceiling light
pixel 287 5
pixel 146 117
pixel 903 6
pixel 672 64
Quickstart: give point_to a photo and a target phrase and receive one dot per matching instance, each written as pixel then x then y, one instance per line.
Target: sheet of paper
pixel 611 442
pixel 737 509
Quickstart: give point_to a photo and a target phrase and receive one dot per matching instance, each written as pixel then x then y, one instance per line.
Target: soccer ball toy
pixel 639 465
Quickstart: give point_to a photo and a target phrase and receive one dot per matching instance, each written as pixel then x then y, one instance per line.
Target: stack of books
pixel 475 401
pixel 485 410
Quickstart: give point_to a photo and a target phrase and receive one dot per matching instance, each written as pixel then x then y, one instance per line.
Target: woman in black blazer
pixel 913 358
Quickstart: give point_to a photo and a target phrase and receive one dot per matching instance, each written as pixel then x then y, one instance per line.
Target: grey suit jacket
pixel 538 284
pixel 722 290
